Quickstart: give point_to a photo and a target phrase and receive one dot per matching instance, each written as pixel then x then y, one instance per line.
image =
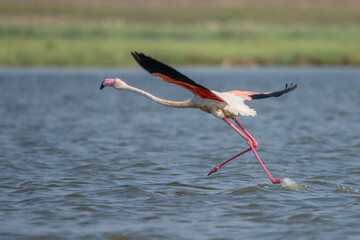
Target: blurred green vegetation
pixel 102 33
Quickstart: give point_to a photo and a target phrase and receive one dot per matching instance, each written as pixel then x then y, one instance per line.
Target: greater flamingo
pixel 222 105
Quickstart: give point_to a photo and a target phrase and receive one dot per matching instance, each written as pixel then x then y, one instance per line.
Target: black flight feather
pixel 154 66
pixel 288 88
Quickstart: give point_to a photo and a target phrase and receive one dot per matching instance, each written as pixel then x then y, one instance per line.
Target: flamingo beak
pixel 102 86
pixel 107 82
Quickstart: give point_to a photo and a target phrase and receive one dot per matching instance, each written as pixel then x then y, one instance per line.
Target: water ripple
pixel 76 163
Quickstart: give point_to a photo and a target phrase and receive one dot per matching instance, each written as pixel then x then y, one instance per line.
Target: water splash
pixel 290 184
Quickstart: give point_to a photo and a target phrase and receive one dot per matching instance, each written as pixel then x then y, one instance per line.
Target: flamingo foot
pixel 276 181
pixel 213 170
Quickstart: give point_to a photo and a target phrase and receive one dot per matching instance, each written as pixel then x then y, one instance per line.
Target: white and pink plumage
pixel 222 105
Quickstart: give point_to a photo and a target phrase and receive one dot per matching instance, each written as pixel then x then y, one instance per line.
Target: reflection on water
pixel 79 163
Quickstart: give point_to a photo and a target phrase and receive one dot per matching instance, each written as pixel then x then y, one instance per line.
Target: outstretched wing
pixel 170 75
pixel 247 95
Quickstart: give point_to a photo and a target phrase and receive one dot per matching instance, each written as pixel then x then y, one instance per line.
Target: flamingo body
pixel 222 105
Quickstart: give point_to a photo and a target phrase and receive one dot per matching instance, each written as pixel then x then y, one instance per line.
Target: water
pixel 79 163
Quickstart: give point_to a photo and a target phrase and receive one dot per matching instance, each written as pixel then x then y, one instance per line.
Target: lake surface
pixel 80 163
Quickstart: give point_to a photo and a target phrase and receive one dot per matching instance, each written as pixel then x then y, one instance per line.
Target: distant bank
pixel 227 33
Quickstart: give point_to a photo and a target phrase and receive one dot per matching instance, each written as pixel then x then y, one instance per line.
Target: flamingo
pixel 223 105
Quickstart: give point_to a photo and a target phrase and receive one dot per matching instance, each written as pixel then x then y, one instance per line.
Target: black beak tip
pixel 102 86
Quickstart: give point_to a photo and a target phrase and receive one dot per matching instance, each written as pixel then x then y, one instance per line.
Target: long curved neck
pixel 176 104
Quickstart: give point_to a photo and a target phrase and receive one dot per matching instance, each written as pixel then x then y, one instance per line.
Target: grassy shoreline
pixel 64 35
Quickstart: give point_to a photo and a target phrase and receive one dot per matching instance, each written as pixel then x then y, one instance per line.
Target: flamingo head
pixel 113 82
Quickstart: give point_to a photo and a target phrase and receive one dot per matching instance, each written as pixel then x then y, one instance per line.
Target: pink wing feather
pixel 170 75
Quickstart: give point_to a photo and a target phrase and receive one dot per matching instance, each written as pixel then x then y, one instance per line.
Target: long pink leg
pixel 254 143
pixel 246 132
pixel 248 140
pixel 225 162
